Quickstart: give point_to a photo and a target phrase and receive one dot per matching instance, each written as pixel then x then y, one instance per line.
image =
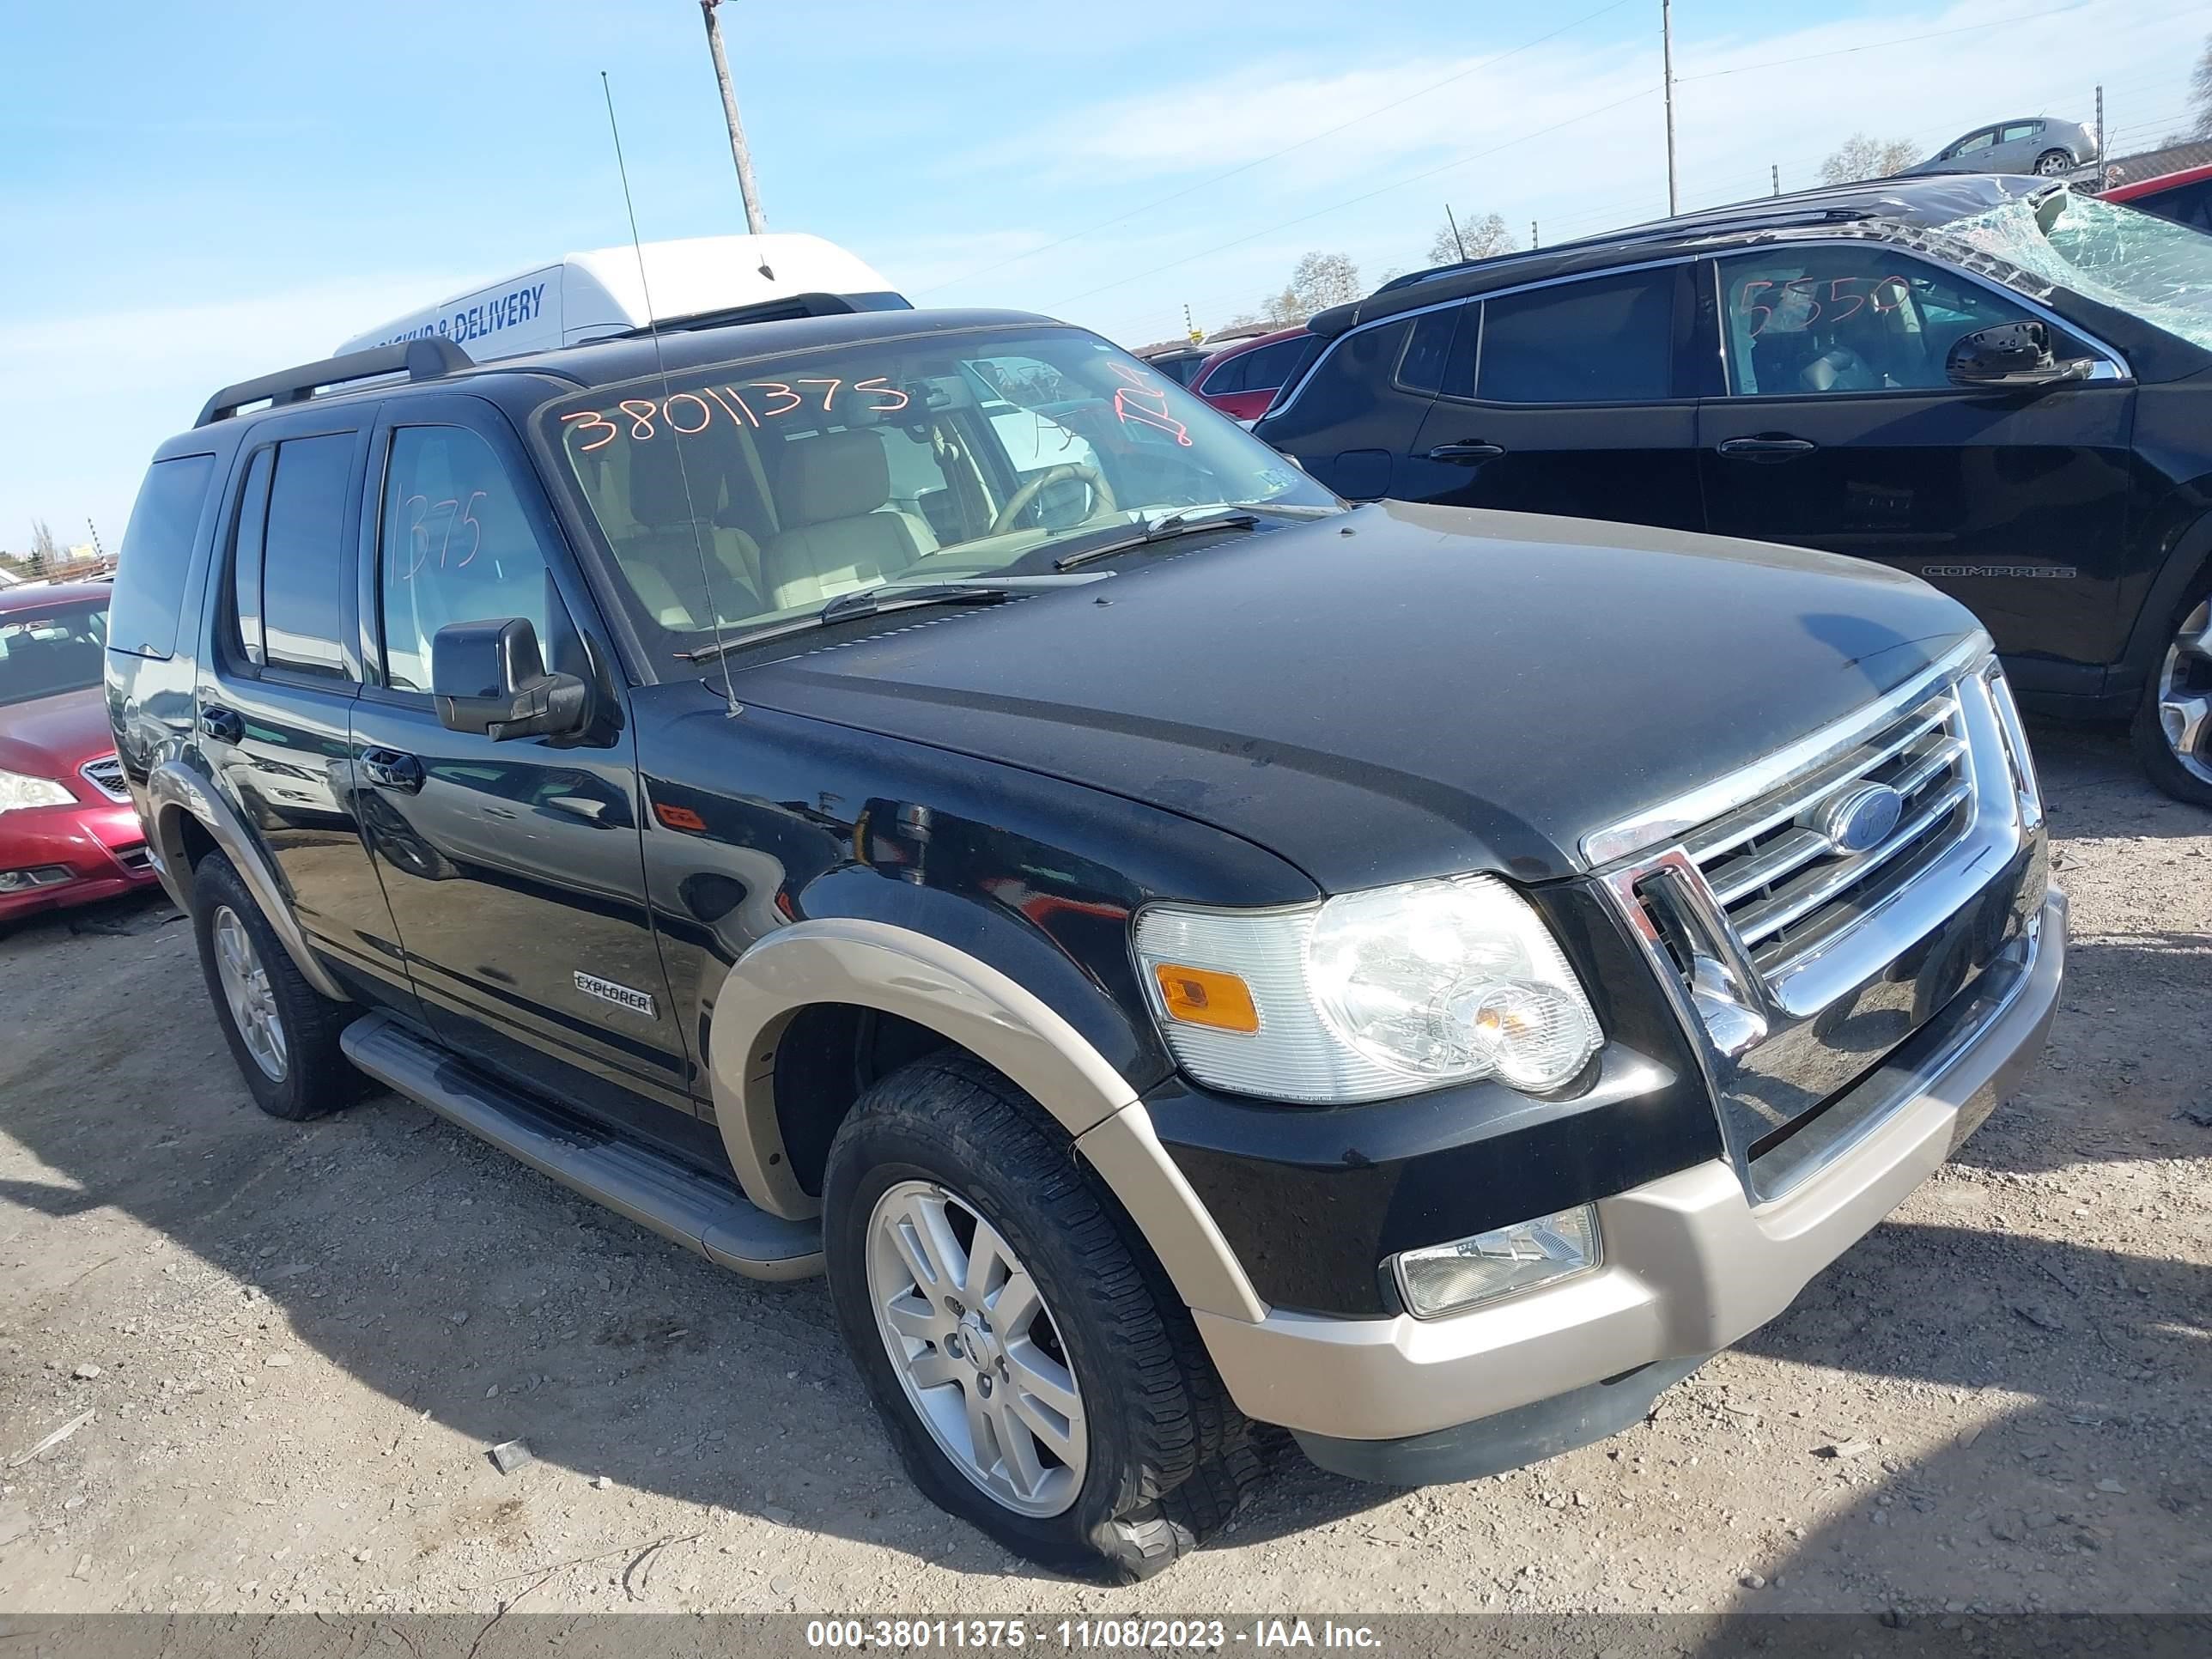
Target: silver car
pixel 2033 144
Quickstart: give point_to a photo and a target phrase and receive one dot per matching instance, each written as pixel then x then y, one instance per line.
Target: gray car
pixel 2035 144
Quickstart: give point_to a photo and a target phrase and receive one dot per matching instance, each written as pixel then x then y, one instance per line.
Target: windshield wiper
pixel 1160 529
pixel 874 601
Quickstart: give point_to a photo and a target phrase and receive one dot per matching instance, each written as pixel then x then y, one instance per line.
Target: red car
pixel 1242 380
pixel 2185 197
pixel 68 834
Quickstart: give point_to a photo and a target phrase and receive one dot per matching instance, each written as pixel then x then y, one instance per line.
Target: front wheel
pixel 1036 1374
pixel 2173 730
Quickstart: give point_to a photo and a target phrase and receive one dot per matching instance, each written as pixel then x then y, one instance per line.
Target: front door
pixel 1841 431
pixel 513 869
pixel 1570 398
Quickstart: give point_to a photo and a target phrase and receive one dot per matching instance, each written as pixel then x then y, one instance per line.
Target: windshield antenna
pixel 660 361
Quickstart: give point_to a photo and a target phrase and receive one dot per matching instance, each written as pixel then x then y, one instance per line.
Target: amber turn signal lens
pixel 1199 996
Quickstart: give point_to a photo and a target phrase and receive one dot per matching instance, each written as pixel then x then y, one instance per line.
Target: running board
pixel 688 1205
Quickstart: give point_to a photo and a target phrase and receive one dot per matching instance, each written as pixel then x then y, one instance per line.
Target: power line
pixel 1275 155
pixel 1875 45
pixel 1352 201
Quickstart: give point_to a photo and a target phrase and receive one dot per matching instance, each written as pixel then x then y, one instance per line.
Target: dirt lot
pixel 296 1345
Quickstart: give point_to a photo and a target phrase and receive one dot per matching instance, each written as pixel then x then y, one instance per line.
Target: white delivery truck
pixel 590 295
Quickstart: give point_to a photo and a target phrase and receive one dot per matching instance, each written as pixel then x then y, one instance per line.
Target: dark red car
pixel 68 834
pixel 1242 380
pixel 2185 197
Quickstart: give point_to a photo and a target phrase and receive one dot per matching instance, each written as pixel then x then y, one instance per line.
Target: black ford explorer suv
pixel 1995 384
pixel 918 795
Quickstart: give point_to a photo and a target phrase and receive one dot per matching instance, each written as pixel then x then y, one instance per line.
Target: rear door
pixel 1573 396
pixel 275 699
pixel 1354 417
pixel 514 870
pixel 1841 431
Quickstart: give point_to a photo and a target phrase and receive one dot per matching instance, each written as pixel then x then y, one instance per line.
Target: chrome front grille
pixel 1808 935
pixel 1786 887
pixel 105 774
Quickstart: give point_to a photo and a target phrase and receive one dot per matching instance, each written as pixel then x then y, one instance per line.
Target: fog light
pixel 1451 1278
pixel 46 875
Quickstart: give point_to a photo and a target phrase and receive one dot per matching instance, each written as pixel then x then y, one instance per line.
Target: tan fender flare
pixel 172 790
pixel 895 970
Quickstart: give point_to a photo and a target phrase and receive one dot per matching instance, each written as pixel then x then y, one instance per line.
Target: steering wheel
pixel 1101 493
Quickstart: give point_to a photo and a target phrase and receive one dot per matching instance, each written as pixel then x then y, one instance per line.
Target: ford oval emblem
pixel 1860 818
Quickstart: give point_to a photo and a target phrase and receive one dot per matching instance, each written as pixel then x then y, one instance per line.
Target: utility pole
pixel 756 221
pixel 1777 178
pixel 1667 63
pixel 1533 239
pixel 2100 128
pixel 98 552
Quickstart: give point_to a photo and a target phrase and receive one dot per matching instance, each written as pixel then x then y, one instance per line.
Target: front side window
pixel 754 489
pixel 50 649
pixel 1853 318
pixel 2152 269
pixel 453 545
pixel 303 563
pixel 1600 339
pixel 1979 141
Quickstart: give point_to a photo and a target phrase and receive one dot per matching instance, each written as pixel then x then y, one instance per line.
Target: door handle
pixel 1473 450
pixel 388 768
pixel 1768 449
pixel 221 724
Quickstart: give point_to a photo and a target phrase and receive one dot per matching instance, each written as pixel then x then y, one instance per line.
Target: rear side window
pixel 303 561
pixel 1606 340
pixel 1265 368
pixel 1229 377
pixel 157 555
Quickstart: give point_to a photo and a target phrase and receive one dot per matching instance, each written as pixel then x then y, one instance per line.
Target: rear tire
pixel 1160 1458
pixel 283 1032
pixel 2053 164
pixel 2173 728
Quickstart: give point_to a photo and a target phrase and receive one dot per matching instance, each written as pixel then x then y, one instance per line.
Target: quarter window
pixel 454 546
pixel 157 552
pixel 303 562
pixel 1428 350
pixel 1855 319
pixel 1605 339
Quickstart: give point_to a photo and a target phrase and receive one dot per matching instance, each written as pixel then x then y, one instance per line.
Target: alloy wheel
pixel 2052 165
pixel 975 1348
pixel 252 999
pixel 2185 693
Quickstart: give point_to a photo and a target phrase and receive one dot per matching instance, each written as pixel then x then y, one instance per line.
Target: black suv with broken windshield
pixel 1995 384
pixel 917 796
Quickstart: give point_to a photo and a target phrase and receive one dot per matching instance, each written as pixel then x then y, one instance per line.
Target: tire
pixel 1161 1458
pixel 309 1076
pixel 2181 675
pixel 2053 163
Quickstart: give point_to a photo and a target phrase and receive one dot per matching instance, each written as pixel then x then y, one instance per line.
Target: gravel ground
pixel 280 1355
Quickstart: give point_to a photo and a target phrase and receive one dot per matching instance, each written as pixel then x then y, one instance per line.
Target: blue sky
pixel 197 192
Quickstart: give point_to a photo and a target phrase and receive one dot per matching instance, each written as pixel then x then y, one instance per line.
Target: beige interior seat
pixel 834 488
pixel 662 558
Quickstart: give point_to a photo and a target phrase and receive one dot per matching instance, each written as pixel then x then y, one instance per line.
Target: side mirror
pixel 489 678
pixel 2010 355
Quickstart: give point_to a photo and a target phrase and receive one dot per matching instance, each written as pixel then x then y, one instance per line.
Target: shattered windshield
pixel 2134 262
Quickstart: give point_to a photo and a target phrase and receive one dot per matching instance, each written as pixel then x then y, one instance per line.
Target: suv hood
pixel 1403 691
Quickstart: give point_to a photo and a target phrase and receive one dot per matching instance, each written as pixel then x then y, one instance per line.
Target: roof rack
pixel 429 358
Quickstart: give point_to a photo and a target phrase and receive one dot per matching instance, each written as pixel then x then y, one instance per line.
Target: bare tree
pixel 1320 281
pixel 44 554
pixel 1862 157
pixel 2200 94
pixel 1482 238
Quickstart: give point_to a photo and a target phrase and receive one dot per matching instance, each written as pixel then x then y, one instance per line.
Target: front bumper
pixel 1691 1265
pixel 101 848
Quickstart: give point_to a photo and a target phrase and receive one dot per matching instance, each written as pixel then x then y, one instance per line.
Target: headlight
pixel 1368 995
pixel 18 790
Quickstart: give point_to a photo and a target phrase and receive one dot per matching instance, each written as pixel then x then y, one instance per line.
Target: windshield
pixel 47 651
pixel 2135 261
pixel 763 488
